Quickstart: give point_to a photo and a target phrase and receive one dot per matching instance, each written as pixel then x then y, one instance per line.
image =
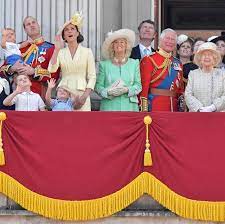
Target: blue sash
pixel 167 82
pixel 41 49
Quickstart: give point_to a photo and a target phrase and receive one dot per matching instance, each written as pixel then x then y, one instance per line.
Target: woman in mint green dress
pixel 118 81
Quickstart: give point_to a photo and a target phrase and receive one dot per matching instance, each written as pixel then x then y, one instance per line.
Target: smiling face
pixel 70 33
pixel 185 50
pixel 208 59
pixel 119 46
pixel 168 41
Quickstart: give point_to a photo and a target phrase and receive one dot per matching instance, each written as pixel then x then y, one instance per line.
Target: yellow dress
pixel 78 73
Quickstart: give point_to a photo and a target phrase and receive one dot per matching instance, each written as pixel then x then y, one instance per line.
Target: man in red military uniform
pixel 36 58
pixel 161 76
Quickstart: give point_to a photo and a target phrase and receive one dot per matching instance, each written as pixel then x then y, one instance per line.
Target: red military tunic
pixel 162 82
pixel 38 56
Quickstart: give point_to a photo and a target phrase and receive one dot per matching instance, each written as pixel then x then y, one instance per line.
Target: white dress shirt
pixel 145 51
pixel 28 101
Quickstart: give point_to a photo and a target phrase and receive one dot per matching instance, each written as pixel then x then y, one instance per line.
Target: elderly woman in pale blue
pixel 118 81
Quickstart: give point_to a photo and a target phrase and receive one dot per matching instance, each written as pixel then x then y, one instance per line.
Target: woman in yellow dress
pixel 76 62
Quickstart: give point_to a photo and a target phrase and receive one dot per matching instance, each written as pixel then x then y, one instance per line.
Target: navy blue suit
pixel 136 54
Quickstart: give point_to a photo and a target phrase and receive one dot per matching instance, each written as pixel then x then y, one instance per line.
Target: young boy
pixel 23 98
pixel 63 101
pixel 11 49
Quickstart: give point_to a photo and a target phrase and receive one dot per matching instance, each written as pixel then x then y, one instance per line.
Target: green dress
pixel 108 74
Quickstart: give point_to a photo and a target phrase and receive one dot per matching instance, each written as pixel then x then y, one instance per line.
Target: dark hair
pixel 80 37
pixel 189 40
pixel 146 21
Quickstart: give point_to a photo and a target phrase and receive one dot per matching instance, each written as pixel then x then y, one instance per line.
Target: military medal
pixel 176 66
pixel 41 59
pixel 43 51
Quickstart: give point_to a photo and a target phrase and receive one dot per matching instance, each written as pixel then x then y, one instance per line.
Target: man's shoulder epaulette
pixel 48 44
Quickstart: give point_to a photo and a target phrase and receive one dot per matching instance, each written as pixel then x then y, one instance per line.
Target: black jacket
pixel 136 54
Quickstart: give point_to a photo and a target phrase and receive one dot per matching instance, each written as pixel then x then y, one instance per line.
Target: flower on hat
pixel 77 20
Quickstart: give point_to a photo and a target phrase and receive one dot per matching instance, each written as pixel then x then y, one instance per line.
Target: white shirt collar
pixel 142 47
pixel 26 93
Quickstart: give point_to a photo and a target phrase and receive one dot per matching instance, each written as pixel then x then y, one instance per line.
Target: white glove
pixel 118 83
pixel 210 108
pixel 4 85
pixel 117 91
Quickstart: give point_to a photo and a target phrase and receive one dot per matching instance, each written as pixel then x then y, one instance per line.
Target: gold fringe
pixel 106 206
pixel 2 156
pixel 182 206
pixel 71 210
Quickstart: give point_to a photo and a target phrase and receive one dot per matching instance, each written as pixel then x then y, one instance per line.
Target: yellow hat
pixel 76 20
pixel 207 46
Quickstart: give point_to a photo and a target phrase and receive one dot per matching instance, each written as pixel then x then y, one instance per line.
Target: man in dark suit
pixel 147 33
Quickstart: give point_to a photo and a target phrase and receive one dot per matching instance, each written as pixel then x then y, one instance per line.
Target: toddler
pixel 65 101
pixel 11 49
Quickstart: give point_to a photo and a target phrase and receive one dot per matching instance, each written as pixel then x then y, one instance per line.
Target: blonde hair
pixel 214 58
pixel 127 51
pixel 8 28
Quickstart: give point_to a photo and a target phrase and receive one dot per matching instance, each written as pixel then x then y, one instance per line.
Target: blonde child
pixel 65 101
pixel 11 49
pixel 23 98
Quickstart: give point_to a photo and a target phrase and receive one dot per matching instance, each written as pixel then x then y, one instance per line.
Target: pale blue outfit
pixel 62 105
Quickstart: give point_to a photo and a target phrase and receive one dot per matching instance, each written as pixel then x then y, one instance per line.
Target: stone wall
pixel 144 211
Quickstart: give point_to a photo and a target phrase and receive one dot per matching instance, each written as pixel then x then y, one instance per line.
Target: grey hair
pixel 168 30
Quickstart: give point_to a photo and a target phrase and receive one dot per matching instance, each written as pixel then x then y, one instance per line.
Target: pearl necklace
pixel 117 61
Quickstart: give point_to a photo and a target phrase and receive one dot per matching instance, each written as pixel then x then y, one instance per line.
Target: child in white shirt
pixel 11 49
pixel 23 98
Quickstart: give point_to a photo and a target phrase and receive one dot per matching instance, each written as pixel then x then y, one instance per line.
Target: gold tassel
pixel 147 154
pixel 147 158
pixel 2 156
